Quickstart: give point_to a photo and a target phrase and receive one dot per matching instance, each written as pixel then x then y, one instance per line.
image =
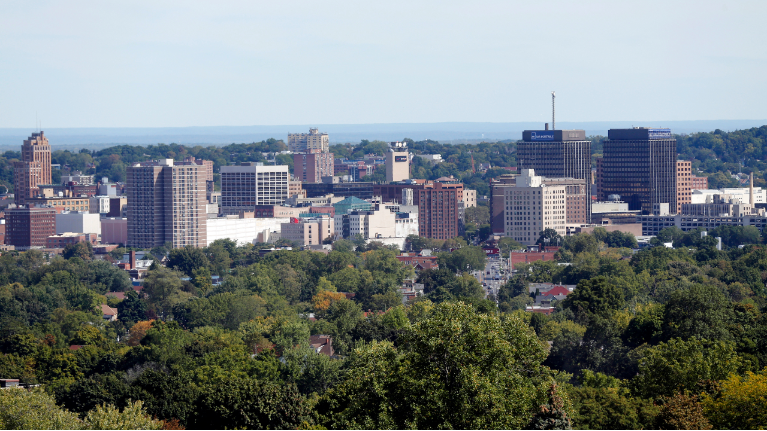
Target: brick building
pixel 310 167
pixel 29 227
pixel 683 184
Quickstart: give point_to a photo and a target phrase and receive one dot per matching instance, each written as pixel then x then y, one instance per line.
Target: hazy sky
pixel 189 63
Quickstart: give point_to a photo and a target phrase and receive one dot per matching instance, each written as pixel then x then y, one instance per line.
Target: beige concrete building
pixel 166 203
pixel 397 162
pixel 306 142
pixel 308 231
pixel 469 198
pixel 532 207
pixel 245 186
pixel 380 223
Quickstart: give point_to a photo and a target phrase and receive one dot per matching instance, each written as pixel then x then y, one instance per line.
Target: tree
pixel 477 215
pixel 187 259
pixel 464 259
pixel 454 368
pixel 251 404
pixel 138 332
pixel 739 402
pixel 163 286
pixel 610 408
pixel 597 296
pixel 681 412
pixel 677 366
pixel 551 235
pixel 699 311
pixel 132 417
pixel 82 249
pixel 131 309
pixel 33 409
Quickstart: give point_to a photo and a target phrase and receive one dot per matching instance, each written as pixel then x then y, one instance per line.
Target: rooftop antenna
pixel 553 124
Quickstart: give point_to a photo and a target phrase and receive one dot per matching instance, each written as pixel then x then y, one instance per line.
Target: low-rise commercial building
pixel 308 231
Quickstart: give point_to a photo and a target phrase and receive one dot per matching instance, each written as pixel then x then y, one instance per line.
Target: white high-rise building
pixel 248 185
pixel 532 207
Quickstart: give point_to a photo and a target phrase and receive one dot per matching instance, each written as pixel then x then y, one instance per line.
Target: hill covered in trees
pixel 714 154
pixel 660 338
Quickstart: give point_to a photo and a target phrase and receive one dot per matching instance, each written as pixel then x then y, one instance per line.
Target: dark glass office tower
pixel 557 154
pixel 639 165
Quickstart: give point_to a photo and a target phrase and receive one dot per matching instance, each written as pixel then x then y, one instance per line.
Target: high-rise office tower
pixel 34 168
pixel 557 154
pixel 306 142
pixel 311 167
pixel 397 162
pixel 245 186
pixel 166 203
pixel 639 165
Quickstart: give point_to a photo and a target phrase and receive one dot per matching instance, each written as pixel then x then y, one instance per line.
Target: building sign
pixel 490 251
pixel 400 158
pixel 659 133
pixel 542 136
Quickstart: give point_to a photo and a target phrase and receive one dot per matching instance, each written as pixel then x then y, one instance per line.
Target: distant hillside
pixel 448 132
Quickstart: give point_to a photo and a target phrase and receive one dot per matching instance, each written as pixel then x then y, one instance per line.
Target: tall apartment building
pixel 683 184
pixel 27 227
pixel 34 168
pixel 250 184
pixel 166 203
pixel 310 167
pixel 206 164
pixel 577 195
pixel 306 142
pixel 438 209
pixel 532 207
pixel 557 154
pixel 639 165
pixel 397 162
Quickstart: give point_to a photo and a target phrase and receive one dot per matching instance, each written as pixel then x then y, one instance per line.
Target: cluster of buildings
pixel 176 201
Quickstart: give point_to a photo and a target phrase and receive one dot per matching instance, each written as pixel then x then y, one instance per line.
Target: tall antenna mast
pixel 553 124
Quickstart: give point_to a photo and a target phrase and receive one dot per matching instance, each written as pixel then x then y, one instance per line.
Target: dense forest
pixel 659 338
pixel 715 154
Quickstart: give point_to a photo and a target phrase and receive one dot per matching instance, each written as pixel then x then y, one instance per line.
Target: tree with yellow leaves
pixel 138 331
pixel 740 402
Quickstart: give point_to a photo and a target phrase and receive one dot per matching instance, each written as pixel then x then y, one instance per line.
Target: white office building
pixel 532 207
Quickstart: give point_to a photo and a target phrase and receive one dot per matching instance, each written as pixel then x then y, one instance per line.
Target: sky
pixel 237 63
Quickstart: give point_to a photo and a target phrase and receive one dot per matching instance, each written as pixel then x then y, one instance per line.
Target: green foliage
pixel 132 417
pixel 187 259
pixel 678 365
pixel 251 404
pixel 610 408
pixel 739 402
pixel 595 297
pixel 464 259
pixel 22 409
pixel 454 369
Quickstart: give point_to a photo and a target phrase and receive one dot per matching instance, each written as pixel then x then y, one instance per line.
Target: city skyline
pixel 240 63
